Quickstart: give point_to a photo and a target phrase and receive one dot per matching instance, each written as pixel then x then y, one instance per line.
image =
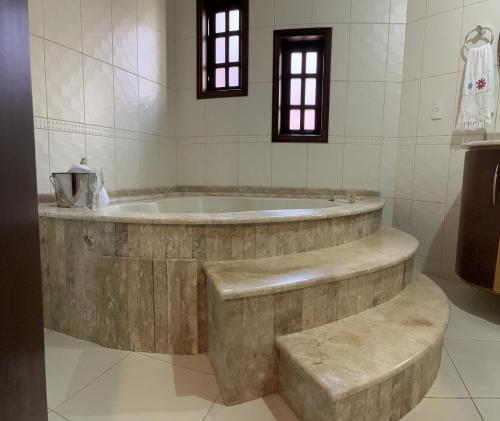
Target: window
pixel 222 48
pixel 301 85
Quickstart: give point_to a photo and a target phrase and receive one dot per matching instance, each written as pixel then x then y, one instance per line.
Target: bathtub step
pixel 250 303
pixel 253 278
pixel 376 365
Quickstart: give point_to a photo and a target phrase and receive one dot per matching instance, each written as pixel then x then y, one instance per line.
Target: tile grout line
pixel 210 407
pixel 93 381
pixel 463 382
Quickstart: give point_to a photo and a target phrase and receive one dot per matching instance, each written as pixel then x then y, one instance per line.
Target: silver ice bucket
pixel 75 190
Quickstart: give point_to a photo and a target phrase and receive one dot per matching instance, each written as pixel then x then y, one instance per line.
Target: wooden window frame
pixel 205 49
pixel 304 40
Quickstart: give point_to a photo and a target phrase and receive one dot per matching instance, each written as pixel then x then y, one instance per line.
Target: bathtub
pixel 218 204
pixel 111 275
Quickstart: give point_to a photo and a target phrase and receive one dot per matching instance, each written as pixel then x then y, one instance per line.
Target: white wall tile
pixel 325 165
pixel 442 40
pixel 368 52
pixel 126 94
pixel 427 221
pixel 191 114
pixel 404 171
pixel 338 102
pixel 431 173
pixel 408 119
pixel 414 50
pixel 340 52
pixel 454 193
pixel 101 154
pixel 42 161
pixel 289 165
pixel 327 11
pixel 64 73
pixel 399 9
pixel 62 22
pixel 395 53
pixel 152 104
pixel 438 6
pixel 152 12
pixel 191 165
pixel 38 87
pixel 450 236
pixel 152 46
pixel 402 214
pixel 222 164
pixel 288 12
pixel 185 62
pixel 388 213
pixel 416 10
pixel 124 37
pixel 261 13
pixel 254 117
pixel 371 11
pixel 65 149
pixel 254 164
pixel 127 164
pixel 260 55
pixel 222 117
pixel 361 167
pixel 35 11
pixel 99 104
pixel 97 30
pixel 365 105
pixel 392 106
pixel 150 165
pixel 388 164
pixel 439 87
pixel 168 165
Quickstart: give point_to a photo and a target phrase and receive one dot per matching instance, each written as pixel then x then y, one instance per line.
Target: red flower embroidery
pixel 481 84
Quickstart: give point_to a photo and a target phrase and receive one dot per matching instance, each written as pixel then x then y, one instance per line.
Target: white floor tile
pixel 431 409
pixel 467 325
pixel 140 388
pixel 71 364
pixel 194 362
pixel 478 363
pixel 489 408
pixel 448 383
pixel 270 408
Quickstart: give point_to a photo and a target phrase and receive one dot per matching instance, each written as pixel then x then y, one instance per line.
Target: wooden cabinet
pixel 478 250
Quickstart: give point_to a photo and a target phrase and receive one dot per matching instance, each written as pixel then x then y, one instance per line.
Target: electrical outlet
pixel 437 112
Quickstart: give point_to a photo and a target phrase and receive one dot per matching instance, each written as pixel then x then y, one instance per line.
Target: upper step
pixel 345 365
pixel 272 275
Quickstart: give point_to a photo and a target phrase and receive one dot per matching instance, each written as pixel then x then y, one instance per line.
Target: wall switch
pixel 437 112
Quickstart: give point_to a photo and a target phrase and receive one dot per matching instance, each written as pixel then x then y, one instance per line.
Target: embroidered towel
pixel 478 98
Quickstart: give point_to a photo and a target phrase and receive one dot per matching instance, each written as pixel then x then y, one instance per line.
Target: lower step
pixel 376 365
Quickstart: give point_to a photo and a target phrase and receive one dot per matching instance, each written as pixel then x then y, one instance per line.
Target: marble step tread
pixel 272 275
pixel 349 356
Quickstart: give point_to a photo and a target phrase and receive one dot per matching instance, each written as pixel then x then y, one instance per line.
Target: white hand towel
pixel 478 97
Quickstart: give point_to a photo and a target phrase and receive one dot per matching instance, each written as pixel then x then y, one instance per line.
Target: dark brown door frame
pixel 22 375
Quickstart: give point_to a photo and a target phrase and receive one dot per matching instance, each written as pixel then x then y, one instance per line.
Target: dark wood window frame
pixel 301 40
pixel 206 63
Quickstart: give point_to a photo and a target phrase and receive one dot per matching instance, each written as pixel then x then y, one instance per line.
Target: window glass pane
pixel 220 22
pixel 294 119
pixel 310 97
pixel 220 78
pixel 234 48
pixel 234 76
pixel 220 50
pixel 311 62
pixel 234 20
pixel 309 120
pixel 295 91
pixel 296 66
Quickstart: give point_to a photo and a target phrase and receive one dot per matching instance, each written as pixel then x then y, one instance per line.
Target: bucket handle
pixel 59 195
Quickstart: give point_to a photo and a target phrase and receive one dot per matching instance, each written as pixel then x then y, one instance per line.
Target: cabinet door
pixel 480 218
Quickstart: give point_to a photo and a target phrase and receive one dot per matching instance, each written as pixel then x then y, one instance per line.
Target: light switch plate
pixel 437 112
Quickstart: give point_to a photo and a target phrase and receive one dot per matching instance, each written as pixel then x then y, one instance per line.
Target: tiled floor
pixel 87 382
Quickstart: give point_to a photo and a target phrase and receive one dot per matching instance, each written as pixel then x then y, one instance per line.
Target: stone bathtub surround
pixel 250 303
pixel 375 366
pixel 93 264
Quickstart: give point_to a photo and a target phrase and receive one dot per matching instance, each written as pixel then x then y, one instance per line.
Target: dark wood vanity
pixel 478 251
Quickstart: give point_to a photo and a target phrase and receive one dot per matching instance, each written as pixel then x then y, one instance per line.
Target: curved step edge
pixel 347 390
